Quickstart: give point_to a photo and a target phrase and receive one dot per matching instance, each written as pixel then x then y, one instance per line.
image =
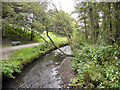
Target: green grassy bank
pixel 23 57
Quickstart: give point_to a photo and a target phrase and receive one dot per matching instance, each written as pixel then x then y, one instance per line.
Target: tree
pixel 117 23
pixel 41 16
pixel 100 20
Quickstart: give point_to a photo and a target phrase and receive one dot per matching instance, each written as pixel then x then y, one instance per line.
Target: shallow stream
pixel 42 73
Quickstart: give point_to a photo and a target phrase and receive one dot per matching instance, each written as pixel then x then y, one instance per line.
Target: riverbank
pixel 43 72
pixel 24 57
pixel 66 72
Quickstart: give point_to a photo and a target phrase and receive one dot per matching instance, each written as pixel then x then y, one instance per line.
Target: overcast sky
pixel 66 5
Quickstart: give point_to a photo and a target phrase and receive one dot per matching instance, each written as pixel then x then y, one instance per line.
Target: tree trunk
pixel 4 30
pixel 117 23
pixel 31 35
pixel 97 32
pixel 86 33
pixel 68 37
pixel 92 23
pixel 56 45
pixel 110 24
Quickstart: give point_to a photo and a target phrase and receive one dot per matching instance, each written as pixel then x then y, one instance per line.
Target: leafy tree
pixel 98 21
pixel 29 16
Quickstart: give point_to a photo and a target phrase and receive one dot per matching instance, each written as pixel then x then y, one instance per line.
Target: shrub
pixel 8 69
pixel 96 66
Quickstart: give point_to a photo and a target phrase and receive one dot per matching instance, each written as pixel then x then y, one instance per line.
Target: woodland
pixel 94 37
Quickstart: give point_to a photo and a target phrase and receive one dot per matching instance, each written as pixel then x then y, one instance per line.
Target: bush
pixel 96 66
pixel 8 69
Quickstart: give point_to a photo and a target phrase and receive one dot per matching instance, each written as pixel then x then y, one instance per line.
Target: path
pixel 6 52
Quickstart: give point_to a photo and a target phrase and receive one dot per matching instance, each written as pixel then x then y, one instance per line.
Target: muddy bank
pixel 66 72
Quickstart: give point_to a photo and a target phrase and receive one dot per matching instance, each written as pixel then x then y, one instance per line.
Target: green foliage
pixel 97 66
pixel 8 69
pixel 17 15
pixel 78 44
pixel 61 22
pixel 19 33
pixel 26 55
pixel 98 21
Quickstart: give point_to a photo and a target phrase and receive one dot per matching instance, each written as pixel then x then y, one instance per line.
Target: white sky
pixel 66 5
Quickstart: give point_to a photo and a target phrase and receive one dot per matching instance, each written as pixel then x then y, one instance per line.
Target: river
pixel 43 73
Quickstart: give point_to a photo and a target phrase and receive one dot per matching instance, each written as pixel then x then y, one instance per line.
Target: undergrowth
pixel 96 66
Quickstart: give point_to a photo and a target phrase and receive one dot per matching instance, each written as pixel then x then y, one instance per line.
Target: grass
pixel 19 34
pixel 7 41
pixel 22 57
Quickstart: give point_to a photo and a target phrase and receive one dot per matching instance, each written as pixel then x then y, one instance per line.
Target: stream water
pixel 42 73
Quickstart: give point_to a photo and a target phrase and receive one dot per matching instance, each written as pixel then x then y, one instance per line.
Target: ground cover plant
pixel 96 66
